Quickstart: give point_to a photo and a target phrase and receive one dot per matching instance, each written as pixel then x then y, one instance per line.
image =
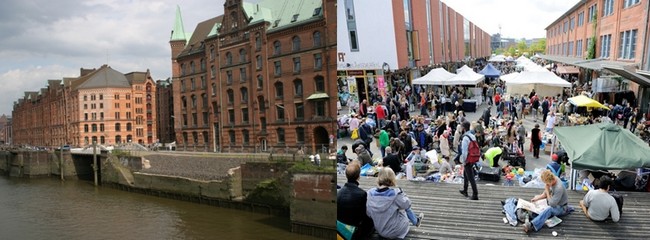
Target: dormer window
pixel 275 24
pixel 294 18
pixel 317 11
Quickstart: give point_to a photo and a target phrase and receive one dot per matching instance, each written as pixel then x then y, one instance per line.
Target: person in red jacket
pixel 381 115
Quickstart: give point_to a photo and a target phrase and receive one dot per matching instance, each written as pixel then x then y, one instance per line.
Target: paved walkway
pixel 531 163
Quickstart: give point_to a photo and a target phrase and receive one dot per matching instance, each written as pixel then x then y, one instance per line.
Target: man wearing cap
pixel 554 166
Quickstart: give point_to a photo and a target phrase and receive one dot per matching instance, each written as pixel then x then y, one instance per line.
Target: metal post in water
pixel 95 161
pixel 61 163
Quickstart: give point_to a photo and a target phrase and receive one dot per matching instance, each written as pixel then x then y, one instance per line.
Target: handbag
pixel 355 134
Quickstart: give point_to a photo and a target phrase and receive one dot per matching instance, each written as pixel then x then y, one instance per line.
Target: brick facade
pixel 82 110
pixel 251 106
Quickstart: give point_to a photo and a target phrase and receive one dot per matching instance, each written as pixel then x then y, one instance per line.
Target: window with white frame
pixel 605 41
pixel 627 44
pixel 629 3
pixel 608 7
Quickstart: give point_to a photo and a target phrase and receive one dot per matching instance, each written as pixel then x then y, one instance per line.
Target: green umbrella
pixel 603 146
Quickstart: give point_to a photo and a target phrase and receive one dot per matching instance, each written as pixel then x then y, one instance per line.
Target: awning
pixel 584 101
pixel 599 64
pixel 633 76
pixel 316 96
pixel 561 59
pixel 567 70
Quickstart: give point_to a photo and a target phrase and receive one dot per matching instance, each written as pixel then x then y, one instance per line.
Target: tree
pixel 539 46
pixel 522 46
pixel 511 50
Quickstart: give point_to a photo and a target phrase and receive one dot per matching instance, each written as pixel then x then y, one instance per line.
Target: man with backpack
pixel 470 154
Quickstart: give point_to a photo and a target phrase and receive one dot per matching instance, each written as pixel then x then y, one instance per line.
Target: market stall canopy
pixel 490 71
pixel 436 76
pixel 509 76
pixel 545 83
pixel 567 70
pixel 465 77
pixel 497 58
pixel 603 146
pixel 464 68
pixel 584 101
pixel 522 59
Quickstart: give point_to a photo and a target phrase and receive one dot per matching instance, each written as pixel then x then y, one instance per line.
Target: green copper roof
pixel 281 13
pixel 178 32
pixel 214 30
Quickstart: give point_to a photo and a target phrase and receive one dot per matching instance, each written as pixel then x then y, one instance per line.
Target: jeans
pixel 538 222
pixel 383 151
pixel 411 215
pixel 468 175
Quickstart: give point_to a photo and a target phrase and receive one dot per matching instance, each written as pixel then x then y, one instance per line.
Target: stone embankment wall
pixel 248 183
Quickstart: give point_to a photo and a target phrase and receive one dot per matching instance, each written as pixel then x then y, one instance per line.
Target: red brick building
pixel 259 77
pixel 619 31
pixel 101 105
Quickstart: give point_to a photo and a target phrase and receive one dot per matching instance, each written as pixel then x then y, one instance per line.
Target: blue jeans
pixel 383 151
pixel 411 215
pixel 538 222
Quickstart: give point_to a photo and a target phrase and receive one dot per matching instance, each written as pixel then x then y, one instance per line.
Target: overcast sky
pixel 45 39
pixel 518 18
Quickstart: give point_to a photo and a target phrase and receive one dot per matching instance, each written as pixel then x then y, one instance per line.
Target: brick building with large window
pixel 101 105
pixel 260 76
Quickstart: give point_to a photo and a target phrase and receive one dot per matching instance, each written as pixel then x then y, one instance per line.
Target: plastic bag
pixel 365 168
pixel 355 134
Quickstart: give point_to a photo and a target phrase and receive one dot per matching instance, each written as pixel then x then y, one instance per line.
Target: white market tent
pixel 497 58
pixel 465 77
pixel 509 76
pixel 464 68
pixel 545 83
pixel 436 76
pixel 522 59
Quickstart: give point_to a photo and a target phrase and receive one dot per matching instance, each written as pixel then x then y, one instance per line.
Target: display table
pixel 469 105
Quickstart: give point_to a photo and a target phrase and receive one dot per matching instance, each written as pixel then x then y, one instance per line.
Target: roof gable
pixel 104 77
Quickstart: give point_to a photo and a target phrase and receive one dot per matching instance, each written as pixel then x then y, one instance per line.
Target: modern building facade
pixel 101 105
pixel 378 35
pixel 260 77
pixel 618 30
pixel 165 111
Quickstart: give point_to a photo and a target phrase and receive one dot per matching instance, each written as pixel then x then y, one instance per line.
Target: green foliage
pixel 268 192
pixel 120 153
pixel 591 49
pixel 308 167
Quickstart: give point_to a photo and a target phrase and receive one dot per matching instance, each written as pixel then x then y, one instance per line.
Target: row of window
pixel 626 46
pixel 195 119
pixel 280 133
pixel 194 100
pixel 118 127
pixel 193 84
pixel 102 139
pixel 608 10
pixel 93 97
pixel 243 56
pixel 195 137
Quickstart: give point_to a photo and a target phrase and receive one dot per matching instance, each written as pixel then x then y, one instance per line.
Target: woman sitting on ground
pixel 389 208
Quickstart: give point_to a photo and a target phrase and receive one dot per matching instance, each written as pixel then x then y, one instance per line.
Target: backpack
pixel 473 151
pixel 619 201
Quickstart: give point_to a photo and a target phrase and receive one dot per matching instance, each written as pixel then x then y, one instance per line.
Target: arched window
pixel 260 82
pixel 244 94
pixel 260 103
pixel 128 127
pixel 85 127
pixel 214 89
pixel 94 139
pixel 279 90
pixel 242 55
pixel 213 53
pixel 193 101
pixel 101 127
pixel 94 127
pixel 317 39
pixel 297 87
pixel 202 65
pixel 102 140
pixel 129 138
pixel 192 67
pixel 258 42
pixel 86 141
pixel 231 96
pixel 118 127
pixel 184 102
pixel 276 48
pixel 295 41
pixel 228 58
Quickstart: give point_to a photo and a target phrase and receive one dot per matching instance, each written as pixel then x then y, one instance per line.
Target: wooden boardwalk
pixel 448 215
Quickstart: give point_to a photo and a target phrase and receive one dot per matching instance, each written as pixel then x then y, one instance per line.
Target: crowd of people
pixel 409 121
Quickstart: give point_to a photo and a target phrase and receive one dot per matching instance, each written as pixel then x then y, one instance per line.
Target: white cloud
pixel 45 39
pixel 518 18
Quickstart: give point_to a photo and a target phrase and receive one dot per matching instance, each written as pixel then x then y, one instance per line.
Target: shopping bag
pixel 355 134
pixel 365 168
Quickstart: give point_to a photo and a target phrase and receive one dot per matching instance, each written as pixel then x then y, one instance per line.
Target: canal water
pixel 47 208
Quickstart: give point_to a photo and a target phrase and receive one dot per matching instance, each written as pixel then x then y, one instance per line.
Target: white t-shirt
pixel 550 122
